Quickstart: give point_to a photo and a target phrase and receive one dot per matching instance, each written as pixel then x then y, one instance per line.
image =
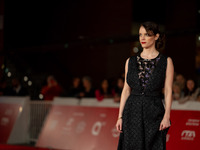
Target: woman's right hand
pixel 119 125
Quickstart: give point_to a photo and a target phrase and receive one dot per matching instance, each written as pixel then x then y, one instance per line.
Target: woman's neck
pixel 149 51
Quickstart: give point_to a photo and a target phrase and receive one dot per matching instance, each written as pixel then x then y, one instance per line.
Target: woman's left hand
pixel 165 123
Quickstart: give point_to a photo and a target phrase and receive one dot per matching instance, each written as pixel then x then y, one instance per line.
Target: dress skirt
pixel 142 116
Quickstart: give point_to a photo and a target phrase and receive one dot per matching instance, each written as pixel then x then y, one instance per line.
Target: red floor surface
pixel 17 147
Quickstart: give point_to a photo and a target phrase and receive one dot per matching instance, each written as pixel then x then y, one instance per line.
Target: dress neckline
pixel 147 58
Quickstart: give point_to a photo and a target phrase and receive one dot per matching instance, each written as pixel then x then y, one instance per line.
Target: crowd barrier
pixel 87 124
pixel 38 113
pixel 14 120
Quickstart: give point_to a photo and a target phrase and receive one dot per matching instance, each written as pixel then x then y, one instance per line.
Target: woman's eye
pixel 144 35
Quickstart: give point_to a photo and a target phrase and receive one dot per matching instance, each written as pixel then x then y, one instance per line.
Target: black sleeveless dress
pixel 144 109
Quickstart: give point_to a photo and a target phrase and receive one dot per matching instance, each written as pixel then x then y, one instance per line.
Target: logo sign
pixel 188 135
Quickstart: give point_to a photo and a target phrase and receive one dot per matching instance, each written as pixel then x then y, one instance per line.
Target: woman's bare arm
pixel 168 87
pixel 125 92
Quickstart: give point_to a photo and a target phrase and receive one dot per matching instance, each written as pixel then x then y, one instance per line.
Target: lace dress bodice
pixel 146 67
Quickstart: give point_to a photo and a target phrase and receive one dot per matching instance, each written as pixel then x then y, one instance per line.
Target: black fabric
pixel 144 109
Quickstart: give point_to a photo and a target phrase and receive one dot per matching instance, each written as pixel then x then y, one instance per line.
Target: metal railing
pixel 38 113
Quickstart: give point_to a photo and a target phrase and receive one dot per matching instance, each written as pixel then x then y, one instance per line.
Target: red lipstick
pixel 143 42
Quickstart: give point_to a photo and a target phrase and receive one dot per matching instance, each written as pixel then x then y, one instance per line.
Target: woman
pixel 52 89
pixel 88 90
pixel 191 91
pixel 118 89
pixel 143 121
pixel 75 88
pixel 177 94
pixel 104 91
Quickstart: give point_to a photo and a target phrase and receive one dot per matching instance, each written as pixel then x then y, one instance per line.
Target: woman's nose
pixel 142 37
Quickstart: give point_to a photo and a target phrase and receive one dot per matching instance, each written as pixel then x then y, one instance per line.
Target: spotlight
pixel 6 70
pixel 9 74
pixel 41 96
pixel 2 66
pixel 20 109
pixel 25 78
pixel 135 49
pixel 29 83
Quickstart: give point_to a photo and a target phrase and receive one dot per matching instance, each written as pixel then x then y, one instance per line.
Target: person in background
pixel 104 91
pixel 177 94
pixel 181 81
pixel 88 90
pixel 198 97
pixel 123 75
pixel 17 89
pixel 174 78
pixel 52 89
pixel 191 91
pixel 118 89
pixel 76 87
pixel 3 88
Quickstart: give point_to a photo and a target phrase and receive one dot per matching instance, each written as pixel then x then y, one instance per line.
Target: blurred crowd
pixel 83 88
pixel 183 89
pixel 16 88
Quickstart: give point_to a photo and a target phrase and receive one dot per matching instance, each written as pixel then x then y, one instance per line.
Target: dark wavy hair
pixel 109 87
pixel 186 90
pixel 152 29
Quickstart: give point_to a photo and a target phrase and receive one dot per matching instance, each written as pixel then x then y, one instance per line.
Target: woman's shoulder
pixel 168 59
pixel 132 57
pixel 129 60
pixel 136 56
pixel 165 56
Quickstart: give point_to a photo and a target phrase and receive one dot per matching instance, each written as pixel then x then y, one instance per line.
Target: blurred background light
pixel 25 78
pixel 111 41
pixel 20 109
pixel 41 96
pixel 6 70
pixel 66 45
pixel 9 74
pixel 29 83
pixel 2 66
pixel 135 49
